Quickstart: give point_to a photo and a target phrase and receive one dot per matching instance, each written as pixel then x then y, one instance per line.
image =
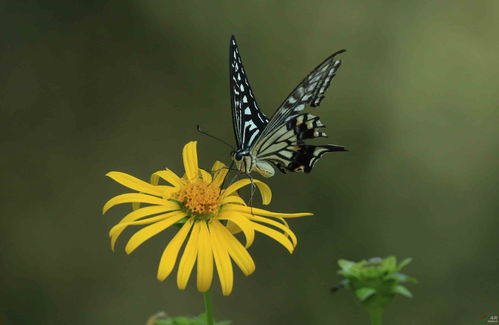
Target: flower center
pixel 199 197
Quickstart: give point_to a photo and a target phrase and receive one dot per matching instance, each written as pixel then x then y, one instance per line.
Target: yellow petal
pixel 274 234
pixel 271 222
pixel 134 215
pixel 285 223
pixel 264 189
pixel 132 197
pixel 219 171
pixel 232 227
pixel 150 210
pixel 188 258
pixel 123 224
pixel 261 212
pixel 205 175
pixel 205 259
pixel 190 157
pixel 170 253
pixel 118 229
pixel 222 262
pixel 232 199
pixel 147 232
pixel 134 183
pixel 155 179
pixel 243 223
pixel 166 192
pixel 238 253
pixel 168 176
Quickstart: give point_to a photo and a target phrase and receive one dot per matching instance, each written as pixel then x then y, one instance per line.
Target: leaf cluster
pixel 181 320
pixel 376 281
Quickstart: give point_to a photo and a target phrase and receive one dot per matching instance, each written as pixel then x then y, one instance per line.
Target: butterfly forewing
pixel 309 92
pixel 281 142
pixel 248 120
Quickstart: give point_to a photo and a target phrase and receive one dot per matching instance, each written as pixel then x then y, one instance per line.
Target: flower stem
pixel 207 308
pixel 375 315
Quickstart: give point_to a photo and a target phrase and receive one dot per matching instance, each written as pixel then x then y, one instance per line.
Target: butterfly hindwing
pixel 286 148
pixel 248 120
pixel 306 156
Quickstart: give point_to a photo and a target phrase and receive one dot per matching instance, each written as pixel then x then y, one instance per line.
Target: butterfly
pixel 263 143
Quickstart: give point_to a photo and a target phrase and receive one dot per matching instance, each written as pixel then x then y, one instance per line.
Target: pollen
pixel 200 198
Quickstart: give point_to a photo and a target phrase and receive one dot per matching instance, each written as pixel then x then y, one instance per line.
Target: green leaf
pixel 404 263
pixel 201 320
pixel 346 265
pixel 390 264
pixel 168 321
pixel 180 321
pixel 398 277
pixel 400 289
pixel 364 293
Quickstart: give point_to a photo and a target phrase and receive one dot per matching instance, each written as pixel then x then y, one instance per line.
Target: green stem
pixel 375 314
pixel 207 308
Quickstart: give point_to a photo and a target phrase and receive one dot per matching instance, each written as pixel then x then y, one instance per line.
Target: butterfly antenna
pixel 214 137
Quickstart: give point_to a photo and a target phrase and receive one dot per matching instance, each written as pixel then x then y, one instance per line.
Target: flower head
pixel 376 281
pixel 208 216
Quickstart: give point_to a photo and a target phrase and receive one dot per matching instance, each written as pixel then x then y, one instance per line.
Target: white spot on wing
pixel 311 87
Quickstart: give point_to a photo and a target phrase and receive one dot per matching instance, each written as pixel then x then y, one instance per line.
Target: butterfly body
pixel 263 143
pixel 246 163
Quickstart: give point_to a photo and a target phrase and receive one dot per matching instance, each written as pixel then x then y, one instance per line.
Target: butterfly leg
pixel 233 179
pixel 230 168
pixel 252 192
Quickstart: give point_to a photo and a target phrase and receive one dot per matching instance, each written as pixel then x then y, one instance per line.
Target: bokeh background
pixel 92 86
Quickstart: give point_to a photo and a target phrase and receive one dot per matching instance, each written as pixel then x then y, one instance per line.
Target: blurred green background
pixel 92 86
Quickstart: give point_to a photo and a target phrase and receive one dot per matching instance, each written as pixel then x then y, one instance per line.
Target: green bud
pixel 375 282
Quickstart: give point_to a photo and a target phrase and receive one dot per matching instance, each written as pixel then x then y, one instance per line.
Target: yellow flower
pixel 208 215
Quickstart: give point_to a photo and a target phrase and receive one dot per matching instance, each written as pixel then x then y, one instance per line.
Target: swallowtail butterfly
pixel 263 143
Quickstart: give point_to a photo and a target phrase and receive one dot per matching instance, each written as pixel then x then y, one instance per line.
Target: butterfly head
pixel 238 155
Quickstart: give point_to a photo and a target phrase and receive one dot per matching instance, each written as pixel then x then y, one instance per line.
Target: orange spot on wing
pixel 299 168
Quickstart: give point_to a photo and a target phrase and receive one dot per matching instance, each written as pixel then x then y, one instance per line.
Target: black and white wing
pixel 282 140
pixel 247 119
